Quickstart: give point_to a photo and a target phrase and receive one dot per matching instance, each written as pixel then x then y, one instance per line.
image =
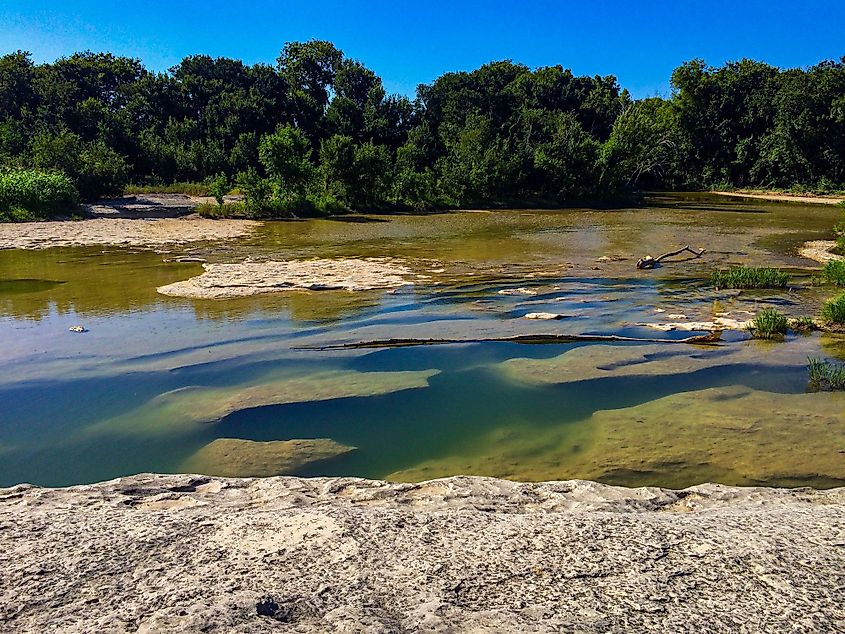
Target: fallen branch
pixel 649 262
pixel 712 338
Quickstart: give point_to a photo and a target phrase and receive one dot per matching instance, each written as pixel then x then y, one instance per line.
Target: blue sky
pixel 410 42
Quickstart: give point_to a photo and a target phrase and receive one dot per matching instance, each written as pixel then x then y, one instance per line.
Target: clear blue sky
pixel 407 43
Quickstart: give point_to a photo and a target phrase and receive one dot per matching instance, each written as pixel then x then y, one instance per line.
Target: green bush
pixel 219 187
pixel 769 324
pixel 833 310
pixel 749 277
pixel 825 375
pixel 34 194
pixel 834 272
pixel 101 172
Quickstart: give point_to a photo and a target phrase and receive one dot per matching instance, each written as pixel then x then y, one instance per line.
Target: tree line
pixel 318 130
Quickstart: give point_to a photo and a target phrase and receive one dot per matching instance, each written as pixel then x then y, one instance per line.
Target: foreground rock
pixel 120 231
pixel 221 281
pixel 189 554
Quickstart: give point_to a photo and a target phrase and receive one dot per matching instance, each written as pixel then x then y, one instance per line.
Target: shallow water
pixel 112 401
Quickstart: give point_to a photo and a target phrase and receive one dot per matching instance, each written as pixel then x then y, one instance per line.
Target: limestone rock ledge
pixel 156 553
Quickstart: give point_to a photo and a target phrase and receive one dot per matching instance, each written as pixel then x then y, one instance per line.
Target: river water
pixel 155 381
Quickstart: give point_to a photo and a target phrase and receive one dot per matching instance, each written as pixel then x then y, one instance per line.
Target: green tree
pixel 286 155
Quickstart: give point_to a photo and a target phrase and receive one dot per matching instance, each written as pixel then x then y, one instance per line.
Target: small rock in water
pixel 517 291
pixel 77 329
pixel 676 316
pixel 544 316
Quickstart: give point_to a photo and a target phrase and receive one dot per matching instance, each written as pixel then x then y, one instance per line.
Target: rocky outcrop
pixel 198 554
pixel 222 281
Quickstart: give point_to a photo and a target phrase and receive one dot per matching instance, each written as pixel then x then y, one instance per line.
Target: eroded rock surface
pixel 189 554
pixel 243 279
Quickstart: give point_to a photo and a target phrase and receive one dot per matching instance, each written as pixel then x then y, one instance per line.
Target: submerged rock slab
pixel 750 436
pixel 188 554
pixel 238 458
pixel 222 281
pixel 601 361
pixel 733 435
pixel 172 411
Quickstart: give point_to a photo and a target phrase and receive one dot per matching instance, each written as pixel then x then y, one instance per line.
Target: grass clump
pixel 803 325
pixel 190 189
pixel 769 324
pixel 825 375
pixel 833 311
pixel 34 195
pixel 834 272
pixel 749 277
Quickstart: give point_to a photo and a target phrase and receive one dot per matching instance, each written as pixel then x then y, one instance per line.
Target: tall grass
pixel 833 310
pixel 769 324
pixel 825 375
pixel 190 189
pixel 749 277
pixel 35 194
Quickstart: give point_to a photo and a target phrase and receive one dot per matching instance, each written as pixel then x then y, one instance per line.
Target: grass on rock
pixel 825 375
pixel 749 277
pixel 834 272
pixel 769 324
pixel 833 311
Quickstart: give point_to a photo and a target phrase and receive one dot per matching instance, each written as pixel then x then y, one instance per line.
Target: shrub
pixel 101 172
pixel 825 375
pixel 769 324
pixel 749 277
pixel 33 194
pixel 256 191
pixel 219 187
pixel 834 272
pixel 833 310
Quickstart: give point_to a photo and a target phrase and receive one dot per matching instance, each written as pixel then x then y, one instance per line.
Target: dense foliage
pixel 33 194
pixel 317 130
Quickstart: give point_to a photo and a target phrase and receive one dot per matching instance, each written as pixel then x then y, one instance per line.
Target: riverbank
pixel 120 231
pixel 809 199
pixel 189 553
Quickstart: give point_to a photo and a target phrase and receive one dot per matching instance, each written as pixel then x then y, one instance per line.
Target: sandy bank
pixel 190 554
pixel 243 279
pixel 819 250
pixel 120 231
pixel 809 199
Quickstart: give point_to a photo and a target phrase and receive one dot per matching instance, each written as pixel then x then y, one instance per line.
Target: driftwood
pixel 712 338
pixel 649 262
